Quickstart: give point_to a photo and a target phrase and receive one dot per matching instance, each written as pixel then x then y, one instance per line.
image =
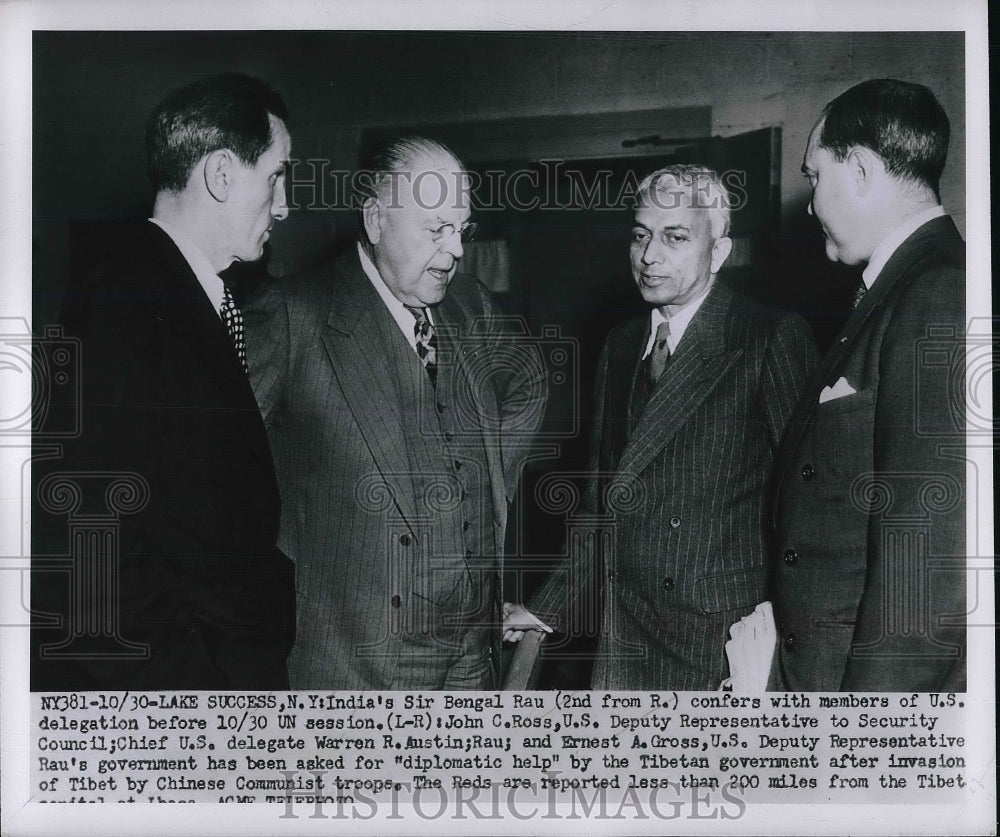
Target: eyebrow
pixel 668 228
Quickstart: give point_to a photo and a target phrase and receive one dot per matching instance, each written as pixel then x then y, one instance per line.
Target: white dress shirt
pixel 400 313
pixel 679 321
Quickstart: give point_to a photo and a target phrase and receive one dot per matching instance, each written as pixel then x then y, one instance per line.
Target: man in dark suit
pixel 691 402
pixel 398 406
pixel 170 488
pixel 870 514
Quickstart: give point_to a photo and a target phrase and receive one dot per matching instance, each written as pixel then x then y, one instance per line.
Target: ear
pixel 218 171
pixel 371 217
pixel 720 252
pixel 864 167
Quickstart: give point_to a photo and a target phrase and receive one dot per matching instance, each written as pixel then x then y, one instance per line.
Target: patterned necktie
pixel 233 318
pixel 660 354
pixel 859 293
pixel 426 341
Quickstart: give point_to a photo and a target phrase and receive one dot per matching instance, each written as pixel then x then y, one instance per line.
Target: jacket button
pixel 791 557
pixel 808 472
pixel 441 408
pixel 404 540
pixel 668 584
pixel 396 601
pixel 611 575
pixel 675 523
pixel 790 641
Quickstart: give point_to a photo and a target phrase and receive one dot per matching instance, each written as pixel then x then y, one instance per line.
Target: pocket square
pixel 838 390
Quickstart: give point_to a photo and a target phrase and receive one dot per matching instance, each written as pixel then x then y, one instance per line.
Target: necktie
pixel 426 341
pixel 860 292
pixel 660 354
pixel 233 318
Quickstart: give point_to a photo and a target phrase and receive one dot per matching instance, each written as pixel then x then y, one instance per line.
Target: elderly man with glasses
pixel 398 409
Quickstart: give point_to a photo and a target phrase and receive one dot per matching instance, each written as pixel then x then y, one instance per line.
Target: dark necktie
pixel 859 293
pixel 426 341
pixel 233 318
pixel 660 353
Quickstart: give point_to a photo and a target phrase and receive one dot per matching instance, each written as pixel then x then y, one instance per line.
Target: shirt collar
pixel 890 244
pixel 679 322
pixel 400 313
pixel 199 263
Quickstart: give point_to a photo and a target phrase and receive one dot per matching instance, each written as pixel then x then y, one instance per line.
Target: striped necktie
pixel 426 346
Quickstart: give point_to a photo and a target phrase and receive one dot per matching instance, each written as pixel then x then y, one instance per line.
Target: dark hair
pixel 395 158
pixel 230 110
pixel 900 121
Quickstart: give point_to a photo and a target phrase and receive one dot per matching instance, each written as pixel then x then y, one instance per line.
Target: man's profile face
pixel 257 196
pixel 832 200
pixel 416 232
pixel 674 254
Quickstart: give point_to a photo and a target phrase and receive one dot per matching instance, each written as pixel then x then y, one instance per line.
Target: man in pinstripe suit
pixel 691 402
pixel 398 410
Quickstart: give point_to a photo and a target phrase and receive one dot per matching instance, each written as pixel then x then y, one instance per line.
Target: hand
pixel 517 619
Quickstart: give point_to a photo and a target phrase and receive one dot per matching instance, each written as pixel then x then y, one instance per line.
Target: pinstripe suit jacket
pixel 681 497
pixel 327 362
pixel 870 508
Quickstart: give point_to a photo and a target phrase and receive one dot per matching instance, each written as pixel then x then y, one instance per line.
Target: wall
pixel 92 91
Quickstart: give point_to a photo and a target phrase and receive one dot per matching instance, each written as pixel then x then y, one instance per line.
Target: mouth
pixel 651 279
pixel 442 275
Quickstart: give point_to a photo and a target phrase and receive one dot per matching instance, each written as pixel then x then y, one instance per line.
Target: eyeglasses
pixel 467 232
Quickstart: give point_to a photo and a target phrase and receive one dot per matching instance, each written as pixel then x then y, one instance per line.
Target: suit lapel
pixel 355 338
pixel 700 362
pixel 908 254
pixel 624 353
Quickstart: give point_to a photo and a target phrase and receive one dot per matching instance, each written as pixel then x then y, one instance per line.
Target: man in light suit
pixel 870 511
pixel 170 487
pixel 399 408
pixel 691 402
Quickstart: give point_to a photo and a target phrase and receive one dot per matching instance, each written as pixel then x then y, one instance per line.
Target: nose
pixel 279 204
pixel 653 254
pixel 452 244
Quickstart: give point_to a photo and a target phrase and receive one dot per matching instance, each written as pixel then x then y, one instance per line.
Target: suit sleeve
pixel 122 432
pixel 267 327
pixel 912 609
pixel 557 602
pixel 788 364
pixel 521 393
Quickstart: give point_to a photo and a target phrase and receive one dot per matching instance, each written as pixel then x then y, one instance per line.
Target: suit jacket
pixel 681 496
pixel 173 445
pixel 870 512
pixel 349 411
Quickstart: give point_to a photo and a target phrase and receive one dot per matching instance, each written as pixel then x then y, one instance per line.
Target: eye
pixel 442 231
pixel 676 238
pixel 639 236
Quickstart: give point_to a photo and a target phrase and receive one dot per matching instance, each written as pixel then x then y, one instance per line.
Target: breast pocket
pixel 842 435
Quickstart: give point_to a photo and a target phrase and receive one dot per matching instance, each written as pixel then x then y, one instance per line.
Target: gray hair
pixel 397 158
pixel 703 187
